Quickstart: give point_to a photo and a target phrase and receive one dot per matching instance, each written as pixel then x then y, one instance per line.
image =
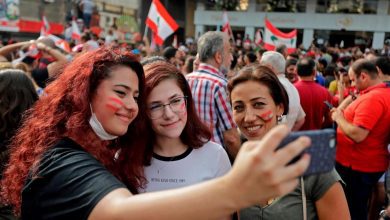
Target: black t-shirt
pixel 69 184
pixel 40 76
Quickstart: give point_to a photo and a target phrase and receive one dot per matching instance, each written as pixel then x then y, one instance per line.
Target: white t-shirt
pixel 295 111
pixel 191 167
pixel 110 38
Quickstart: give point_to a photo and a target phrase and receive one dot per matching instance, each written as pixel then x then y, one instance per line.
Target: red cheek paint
pixel 183 106
pixel 114 104
pixel 183 109
pixel 267 116
pixel 116 100
pixel 112 107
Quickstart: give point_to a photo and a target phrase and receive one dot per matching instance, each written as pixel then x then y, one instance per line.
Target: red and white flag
pixel 226 24
pixel 76 35
pixel 59 42
pixel 31 52
pixel 160 22
pixel 273 37
pixel 258 37
pixel 45 28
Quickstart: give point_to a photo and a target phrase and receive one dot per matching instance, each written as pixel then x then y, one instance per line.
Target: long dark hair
pixel 17 94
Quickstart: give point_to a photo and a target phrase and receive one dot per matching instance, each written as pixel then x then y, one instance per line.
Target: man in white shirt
pixel 295 116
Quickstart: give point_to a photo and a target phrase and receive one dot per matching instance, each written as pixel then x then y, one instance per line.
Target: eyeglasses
pixel 177 105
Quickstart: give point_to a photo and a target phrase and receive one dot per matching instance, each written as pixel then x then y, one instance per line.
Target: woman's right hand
pixel 260 173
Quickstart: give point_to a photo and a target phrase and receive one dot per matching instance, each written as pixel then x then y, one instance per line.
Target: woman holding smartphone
pixel 78 154
pixel 258 101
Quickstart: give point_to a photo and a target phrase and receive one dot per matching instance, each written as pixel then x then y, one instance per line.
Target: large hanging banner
pixel 9 15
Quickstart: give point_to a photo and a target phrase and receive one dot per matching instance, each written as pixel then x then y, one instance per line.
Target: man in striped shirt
pixel 208 86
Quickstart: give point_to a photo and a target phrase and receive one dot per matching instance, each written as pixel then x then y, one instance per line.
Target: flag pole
pixel 146 31
pixel 230 28
pixel 231 32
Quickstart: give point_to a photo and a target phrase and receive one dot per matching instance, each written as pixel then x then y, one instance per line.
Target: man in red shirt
pixel 362 136
pixel 312 96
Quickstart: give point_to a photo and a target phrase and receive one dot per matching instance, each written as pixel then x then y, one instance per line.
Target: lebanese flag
pixel 75 31
pixel 31 52
pixel 160 22
pixel 274 37
pixel 226 24
pixel 45 28
pixel 59 42
pixel 258 38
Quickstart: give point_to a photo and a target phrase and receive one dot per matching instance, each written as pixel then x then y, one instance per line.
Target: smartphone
pixel 330 106
pixel 322 149
pixel 352 94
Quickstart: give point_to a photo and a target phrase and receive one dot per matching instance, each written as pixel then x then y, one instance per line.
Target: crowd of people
pixel 113 132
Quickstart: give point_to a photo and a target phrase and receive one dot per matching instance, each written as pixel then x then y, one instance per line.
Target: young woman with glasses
pixel 77 154
pixel 179 152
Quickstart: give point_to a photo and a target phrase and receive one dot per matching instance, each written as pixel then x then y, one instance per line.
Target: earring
pixel 279 119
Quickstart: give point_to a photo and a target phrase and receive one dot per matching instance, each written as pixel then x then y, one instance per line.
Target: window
pixel 347 6
pixel 281 5
pixel 228 5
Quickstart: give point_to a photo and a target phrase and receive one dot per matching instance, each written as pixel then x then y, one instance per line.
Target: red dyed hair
pixel 64 111
pixel 195 133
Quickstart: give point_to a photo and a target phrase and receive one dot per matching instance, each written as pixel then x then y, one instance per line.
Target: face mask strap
pixel 98 128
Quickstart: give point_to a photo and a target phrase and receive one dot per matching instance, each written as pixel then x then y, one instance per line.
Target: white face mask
pixel 98 128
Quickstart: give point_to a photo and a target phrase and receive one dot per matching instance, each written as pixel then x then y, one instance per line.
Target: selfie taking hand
pixel 260 173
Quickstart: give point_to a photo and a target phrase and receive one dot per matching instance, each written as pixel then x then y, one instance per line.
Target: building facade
pixel 22 20
pixel 350 22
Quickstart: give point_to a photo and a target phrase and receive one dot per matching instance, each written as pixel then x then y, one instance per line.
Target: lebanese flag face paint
pixel 114 104
pixel 267 116
pixel 183 109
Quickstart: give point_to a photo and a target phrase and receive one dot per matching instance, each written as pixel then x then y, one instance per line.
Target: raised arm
pixel 4 51
pixel 61 59
pixel 147 46
pixel 259 173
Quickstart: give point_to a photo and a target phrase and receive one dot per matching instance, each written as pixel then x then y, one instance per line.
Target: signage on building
pixel 35 27
pixel 112 8
pixel 127 23
pixel 9 15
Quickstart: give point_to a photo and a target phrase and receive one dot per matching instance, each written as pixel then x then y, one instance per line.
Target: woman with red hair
pixel 79 154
